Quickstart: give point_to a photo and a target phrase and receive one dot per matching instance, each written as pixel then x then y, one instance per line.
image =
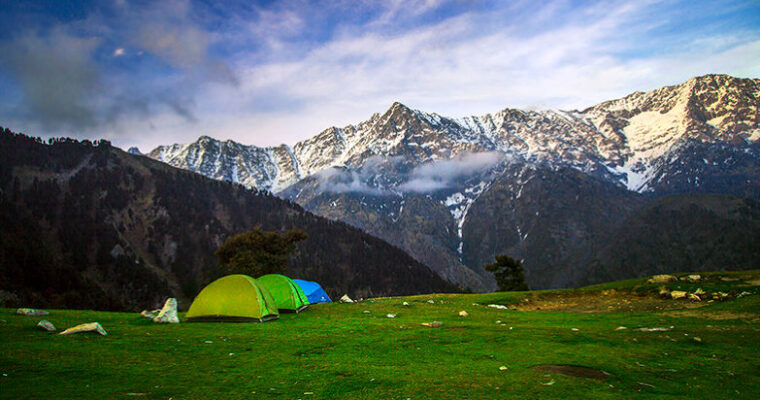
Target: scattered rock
pixel 431 301
pixel 498 306
pixel 677 294
pixel 575 329
pixel 31 312
pixel 46 325
pixel 699 292
pixel 498 322
pixel 434 324
pixel 694 278
pixel 346 299
pixel 727 279
pixel 405 304
pixel 551 382
pixel 391 315
pixel 147 314
pixel 88 327
pixel 621 328
pixel 208 342
pixel 168 314
pixel 664 292
pixel 464 314
pixel 697 339
pixel 694 297
pixel 503 368
pixel 654 329
pixel 661 279
pixel 742 294
pixel 365 312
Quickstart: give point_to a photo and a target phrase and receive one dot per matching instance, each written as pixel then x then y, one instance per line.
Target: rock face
pixel 168 314
pixel 546 186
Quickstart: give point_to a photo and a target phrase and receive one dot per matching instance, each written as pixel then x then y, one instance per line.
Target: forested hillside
pixel 86 225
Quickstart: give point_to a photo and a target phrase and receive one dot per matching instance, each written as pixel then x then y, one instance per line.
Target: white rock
pixel 168 314
pixel 46 325
pixel 346 299
pixel 464 314
pixel 498 306
pixel 405 304
pixel 431 301
pixel 391 315
pixel 89 327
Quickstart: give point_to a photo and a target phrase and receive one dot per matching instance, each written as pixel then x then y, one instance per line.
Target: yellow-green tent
pixel 288 296
pixel 233 298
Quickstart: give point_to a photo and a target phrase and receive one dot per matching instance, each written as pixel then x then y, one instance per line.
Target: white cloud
pixel 442 174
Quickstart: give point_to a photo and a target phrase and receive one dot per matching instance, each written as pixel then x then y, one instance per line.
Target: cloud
pixel 442 174
pixel 338 180
pixel 57 76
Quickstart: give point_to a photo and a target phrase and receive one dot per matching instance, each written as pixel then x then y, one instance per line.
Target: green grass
pixel 335 351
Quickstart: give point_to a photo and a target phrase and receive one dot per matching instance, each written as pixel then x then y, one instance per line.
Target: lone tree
pixel 258 252
pixel 508 273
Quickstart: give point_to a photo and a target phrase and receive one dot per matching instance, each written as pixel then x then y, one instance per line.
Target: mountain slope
pixel 700 136
pixel 85 225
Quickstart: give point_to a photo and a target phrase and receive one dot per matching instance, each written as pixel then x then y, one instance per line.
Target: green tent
pixel 288 296
pixel 233 298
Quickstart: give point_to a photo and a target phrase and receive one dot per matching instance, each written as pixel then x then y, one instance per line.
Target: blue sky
pixel 148 73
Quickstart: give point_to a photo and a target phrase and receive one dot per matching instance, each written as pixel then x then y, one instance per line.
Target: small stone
pixel 365 312
pixel 742 294
pixel 88 327
pixel 697 339
pixel 677 294
pixel 391 315
pixel 147 314
pixel 31 312
pixel 664 292
pixel 621 328
pixel 498 322
pixel 208 342
pixel 503 368
pixel 46 325
pixel 699 292
pixel 464 314
pixel 654 329
pixel 346 299
pixel 575 329
pixel 694 297
pixel 431 301
pixel 498 306
pixel 434 324
pixel 405 304
pixel 168 314
pixel 551 382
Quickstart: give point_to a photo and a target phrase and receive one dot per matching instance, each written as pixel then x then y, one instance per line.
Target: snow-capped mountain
pixel 413 177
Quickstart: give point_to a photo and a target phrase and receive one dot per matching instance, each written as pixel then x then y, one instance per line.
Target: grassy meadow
pixel 354 351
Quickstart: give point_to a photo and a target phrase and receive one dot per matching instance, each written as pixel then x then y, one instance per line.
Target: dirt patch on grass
pixel 601 301
pixel 714 315
pixel 577 371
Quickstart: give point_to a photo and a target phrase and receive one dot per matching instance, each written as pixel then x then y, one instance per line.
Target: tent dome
pixel 314 292
pixel 286 294
pixel 233 298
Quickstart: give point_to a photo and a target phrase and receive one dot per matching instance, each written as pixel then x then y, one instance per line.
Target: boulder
pixel 659 279
pixel 31 312
pixel 346 299
pixel 677 294
pixel 464 314
pixel 88 327
pixel 694 278
pixel 46 325
pixel 168 314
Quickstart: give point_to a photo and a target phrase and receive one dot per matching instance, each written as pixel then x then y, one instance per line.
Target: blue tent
pixel 313 291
